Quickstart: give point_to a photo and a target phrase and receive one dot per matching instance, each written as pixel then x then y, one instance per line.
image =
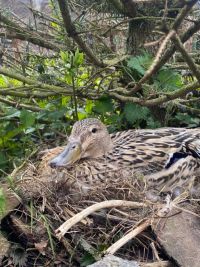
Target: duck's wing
pixel 155 149
pixel 192 147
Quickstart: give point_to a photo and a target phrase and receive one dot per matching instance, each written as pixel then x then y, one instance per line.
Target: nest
pixel 53 203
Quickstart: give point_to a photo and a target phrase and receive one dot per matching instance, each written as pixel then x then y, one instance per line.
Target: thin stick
pixel 117 245
pixel 62 230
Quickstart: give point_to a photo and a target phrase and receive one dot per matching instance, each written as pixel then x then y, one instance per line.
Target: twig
pixel 71 30
pixel 190 110
pixel 155 252
pixel 12 74
pixel 15 31
pixel 62 230
pixel 133 19
pixel 159 100
pixel 157 264
pixel 185 210
pixel 188 59
pixel 122 241
pixel 20 106
pixel 154 42
pixel 158 61
pixel 155 63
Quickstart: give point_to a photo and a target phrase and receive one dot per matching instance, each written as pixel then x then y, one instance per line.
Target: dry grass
pixel 121 229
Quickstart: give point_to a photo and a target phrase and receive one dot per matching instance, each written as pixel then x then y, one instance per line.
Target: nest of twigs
pixel 36 223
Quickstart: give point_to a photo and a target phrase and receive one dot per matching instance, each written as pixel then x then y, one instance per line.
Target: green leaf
pixel 13 114
pixel 168 80
pixel 89 106
pixel 2 202
pixel 87 259
pixel 9 135
pixel 54 115
pixel 140 63
pixel 78 58
pixel 29 130
pixel 104 105
pixel 3 81
pixel 153 124
pixel 68 77
pixel 64 56
pixel 65 100
pixel 3 160
pixel 134 112
pixel 27 118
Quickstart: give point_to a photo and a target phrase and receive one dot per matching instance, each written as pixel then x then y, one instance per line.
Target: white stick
pixel 117 245
pixel 62 230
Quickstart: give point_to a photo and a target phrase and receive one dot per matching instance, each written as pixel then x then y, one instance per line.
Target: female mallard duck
pixel 166 157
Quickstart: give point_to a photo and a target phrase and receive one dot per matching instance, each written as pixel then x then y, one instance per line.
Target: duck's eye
pixel 94 130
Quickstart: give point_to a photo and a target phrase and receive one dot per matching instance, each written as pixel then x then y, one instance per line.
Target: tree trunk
pixel 139 32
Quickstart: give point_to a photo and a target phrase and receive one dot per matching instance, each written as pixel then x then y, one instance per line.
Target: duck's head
pixel 89 139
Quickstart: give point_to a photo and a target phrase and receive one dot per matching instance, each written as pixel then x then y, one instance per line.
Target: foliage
pixel 165 80
pixel 2 202
pixel 63 73
pixel 23 130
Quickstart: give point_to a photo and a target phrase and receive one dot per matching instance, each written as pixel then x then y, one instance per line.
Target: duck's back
pixel 152 150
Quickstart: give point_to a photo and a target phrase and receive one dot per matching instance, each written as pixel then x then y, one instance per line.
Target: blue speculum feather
pixel 175 157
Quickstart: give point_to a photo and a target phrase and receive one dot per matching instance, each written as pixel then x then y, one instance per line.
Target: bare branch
pixel 126 238
pixel 17 32
pixel 158 62
pixel 62 230
pixel 12 74
pixel 19 106
pixel 186 57
pixel 155 64
pixel 189 110
pixel 159 100
pixel 71 30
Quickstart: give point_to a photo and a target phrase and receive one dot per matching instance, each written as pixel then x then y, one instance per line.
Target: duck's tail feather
pixel 192 147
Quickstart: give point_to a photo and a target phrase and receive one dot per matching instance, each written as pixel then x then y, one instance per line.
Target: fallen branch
pixel 122 241
pixel 156 264
pixel 62 230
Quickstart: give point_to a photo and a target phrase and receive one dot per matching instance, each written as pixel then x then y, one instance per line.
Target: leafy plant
pixel 2 202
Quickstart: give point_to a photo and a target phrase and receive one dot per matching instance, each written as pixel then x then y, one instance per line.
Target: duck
pixel 167 158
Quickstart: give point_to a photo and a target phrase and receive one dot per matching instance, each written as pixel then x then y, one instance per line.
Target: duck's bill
pixel 70 155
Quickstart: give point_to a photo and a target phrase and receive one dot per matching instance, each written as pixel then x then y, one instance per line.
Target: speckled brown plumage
pixel 166 157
